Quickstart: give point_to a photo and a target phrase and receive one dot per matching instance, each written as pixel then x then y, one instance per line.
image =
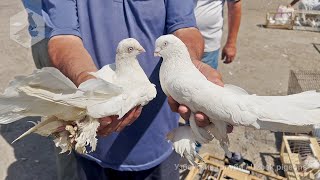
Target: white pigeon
pixel 311 22
pixel 297 21
pixel 181 80
pixel 48 93
pixel 310 162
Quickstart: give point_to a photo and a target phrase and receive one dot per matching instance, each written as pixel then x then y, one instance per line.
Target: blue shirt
pixel 102 24
pixel 37 27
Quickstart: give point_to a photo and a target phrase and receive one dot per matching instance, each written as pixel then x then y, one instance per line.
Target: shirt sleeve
pixel 61 17
pixel 180 14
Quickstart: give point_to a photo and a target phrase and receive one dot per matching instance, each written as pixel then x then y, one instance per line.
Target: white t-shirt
pixel 209 16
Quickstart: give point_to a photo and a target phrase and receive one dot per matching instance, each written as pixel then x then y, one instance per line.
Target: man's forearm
pixel 68 54
pixel 193 40
pixel 234 19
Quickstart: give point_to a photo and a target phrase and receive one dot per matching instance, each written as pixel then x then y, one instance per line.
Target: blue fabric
pixel 101 25
pixel 168 169
pixel 211 58
pixel 36 31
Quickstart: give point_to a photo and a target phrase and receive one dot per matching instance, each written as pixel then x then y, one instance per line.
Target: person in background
pixel 84 37
pixel 209 16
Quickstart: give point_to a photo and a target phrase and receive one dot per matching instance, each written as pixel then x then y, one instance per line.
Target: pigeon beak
pixel 157 52
pixel 142 50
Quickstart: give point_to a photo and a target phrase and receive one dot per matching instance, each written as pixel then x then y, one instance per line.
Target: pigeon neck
pixel 180 57
pixel 123 64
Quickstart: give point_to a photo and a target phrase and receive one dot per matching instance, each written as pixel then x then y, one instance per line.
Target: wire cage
pixel 215 169
pixel 295 150
pixel 307 20
pixel 300 81
pixel 280 20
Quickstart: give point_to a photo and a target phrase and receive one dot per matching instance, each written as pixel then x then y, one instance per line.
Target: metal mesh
pixel 302 148
pixel 294 153
pixel 301 81
pixel 303 16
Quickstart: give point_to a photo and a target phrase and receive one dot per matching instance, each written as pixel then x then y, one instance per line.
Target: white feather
pixel 48 93
pixel 310 162
pixel 230 104
pixel 183 141
pixel 45 127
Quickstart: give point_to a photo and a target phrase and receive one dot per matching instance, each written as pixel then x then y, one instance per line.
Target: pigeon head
pixel 129 47
pixel 168 45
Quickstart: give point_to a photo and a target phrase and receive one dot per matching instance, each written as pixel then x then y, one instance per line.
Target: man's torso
pixel 103 24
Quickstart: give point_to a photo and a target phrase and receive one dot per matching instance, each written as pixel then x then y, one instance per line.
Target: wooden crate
pixel 214 169
pixel 294 15
pixel 294 150
pixel 300 14
pixel 300 81
pixel 275 25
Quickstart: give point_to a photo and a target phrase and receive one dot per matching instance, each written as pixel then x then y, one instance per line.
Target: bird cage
pixel 279 23
pixel 294 152
pixel 215 169
pixel 307 20
pixel 300 81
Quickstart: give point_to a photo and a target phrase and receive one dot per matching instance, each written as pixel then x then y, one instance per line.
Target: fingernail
pixel 183 109
pixel 199 117
pixel 105 122
pixel 139 110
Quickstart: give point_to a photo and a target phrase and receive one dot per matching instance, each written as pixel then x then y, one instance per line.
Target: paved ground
pixel 31 158
pixel 262 67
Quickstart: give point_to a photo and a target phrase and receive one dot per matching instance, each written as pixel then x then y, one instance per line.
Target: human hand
pixel 229 52
pixel 201 119
pixel 112 124
pixel 210 73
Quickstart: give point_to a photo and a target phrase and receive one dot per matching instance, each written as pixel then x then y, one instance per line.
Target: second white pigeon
pixel 228 105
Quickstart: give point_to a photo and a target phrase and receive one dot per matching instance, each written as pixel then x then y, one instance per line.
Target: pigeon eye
pixel 165 43
pixel 130 49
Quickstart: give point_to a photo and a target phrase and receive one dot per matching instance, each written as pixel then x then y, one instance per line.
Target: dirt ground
pixel 262 66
